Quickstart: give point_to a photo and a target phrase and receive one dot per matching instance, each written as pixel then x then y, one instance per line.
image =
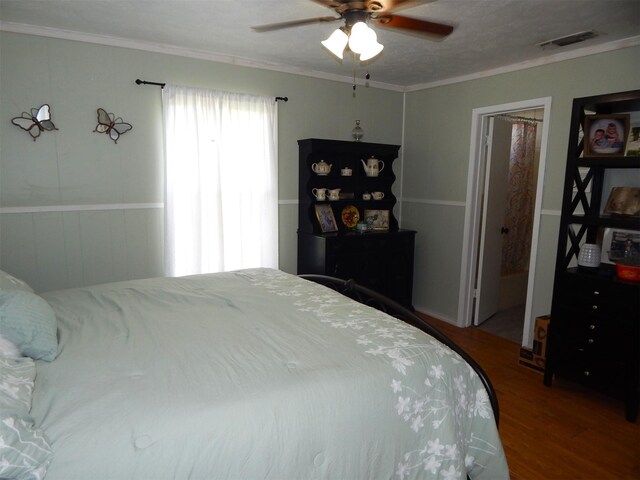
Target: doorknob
pixel 504 230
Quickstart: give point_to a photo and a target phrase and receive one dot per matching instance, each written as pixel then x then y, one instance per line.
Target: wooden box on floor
pixel 534 357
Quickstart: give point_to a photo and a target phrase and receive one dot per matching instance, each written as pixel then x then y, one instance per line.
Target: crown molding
pixel 557 57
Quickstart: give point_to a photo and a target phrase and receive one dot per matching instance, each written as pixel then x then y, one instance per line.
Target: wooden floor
pixel 562 432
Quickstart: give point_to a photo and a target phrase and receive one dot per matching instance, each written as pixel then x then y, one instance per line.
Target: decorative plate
pixel 350 216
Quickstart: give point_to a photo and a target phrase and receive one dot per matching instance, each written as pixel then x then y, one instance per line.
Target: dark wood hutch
pixel 380 259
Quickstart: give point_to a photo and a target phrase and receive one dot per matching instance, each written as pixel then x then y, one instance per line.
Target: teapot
pixel 321 168
pixel 373 166
pixel 334 194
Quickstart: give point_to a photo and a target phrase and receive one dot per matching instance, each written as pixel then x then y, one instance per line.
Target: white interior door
pixel 493 210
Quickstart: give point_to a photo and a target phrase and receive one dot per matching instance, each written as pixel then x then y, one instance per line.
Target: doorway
pixel 511 158
pixel 485 289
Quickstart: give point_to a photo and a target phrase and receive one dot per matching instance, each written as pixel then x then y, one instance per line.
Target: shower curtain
pixel 520 199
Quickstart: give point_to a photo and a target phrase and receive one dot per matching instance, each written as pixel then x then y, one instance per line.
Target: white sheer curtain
pixel 221 181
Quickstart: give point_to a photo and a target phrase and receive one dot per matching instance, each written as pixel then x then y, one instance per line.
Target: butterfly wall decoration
pixel 111 125
pixel 36 122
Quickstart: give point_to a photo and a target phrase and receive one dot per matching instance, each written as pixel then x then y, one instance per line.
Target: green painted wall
pixel 73 166
pixel 436 160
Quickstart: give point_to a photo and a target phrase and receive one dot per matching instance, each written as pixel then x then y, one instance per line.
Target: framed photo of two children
pixel 605 135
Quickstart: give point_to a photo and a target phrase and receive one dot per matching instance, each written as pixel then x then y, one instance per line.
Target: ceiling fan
pixel 356 12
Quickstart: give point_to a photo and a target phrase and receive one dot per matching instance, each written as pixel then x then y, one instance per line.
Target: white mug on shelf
pixel 319 193
pixel 589 255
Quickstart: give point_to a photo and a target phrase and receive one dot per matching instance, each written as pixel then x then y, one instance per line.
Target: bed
pixel 242 375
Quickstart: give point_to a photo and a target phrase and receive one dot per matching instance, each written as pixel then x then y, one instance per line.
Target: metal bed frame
pixel 369 297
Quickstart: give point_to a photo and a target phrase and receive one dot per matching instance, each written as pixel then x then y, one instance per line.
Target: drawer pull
pixel 594 307
pixel 586 373
pixel 596 292
pixel 590 341
pixel 592 327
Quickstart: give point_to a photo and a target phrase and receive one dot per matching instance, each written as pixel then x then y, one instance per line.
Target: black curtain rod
pixel 144 82
pixel 161 85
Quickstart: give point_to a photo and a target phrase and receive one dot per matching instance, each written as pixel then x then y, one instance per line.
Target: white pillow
pixel 8 349
pixel 9 282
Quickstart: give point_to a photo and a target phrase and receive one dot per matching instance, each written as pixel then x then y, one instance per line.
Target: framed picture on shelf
pixel 326 219
pixel 618 244
pixel 633 138
pixel 623 201
pixel 605 135
pixel 377 219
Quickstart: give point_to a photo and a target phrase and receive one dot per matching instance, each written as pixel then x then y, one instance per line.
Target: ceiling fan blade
pixel 329 3
pixel 388 6
pixel 293 23
pixel 414 25
pixel 371 6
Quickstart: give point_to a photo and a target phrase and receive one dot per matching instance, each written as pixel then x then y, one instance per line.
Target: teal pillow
pixel 30 323
pixel 24 450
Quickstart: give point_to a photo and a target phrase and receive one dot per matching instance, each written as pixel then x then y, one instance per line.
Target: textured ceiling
pixel 488 35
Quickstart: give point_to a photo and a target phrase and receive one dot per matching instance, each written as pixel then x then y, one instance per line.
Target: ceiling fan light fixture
pixel 372 51
pixel 336 42
pixel 361 37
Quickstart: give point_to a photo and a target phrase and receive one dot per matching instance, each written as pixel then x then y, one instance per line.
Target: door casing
pixel 473 208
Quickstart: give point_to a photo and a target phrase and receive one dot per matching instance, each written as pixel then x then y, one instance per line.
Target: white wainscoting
pixel 56 247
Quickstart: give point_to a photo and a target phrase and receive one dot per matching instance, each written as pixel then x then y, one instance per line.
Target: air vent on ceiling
pixel 569 39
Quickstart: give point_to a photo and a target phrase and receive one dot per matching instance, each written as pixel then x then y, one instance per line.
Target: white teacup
pixel 334 194
pixel 377 195
pixel 366 196
pixel 319 193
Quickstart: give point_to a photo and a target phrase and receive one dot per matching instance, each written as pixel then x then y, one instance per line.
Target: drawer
pixel 593 343
pixel 591 373
pixel 585 320
pixel 592 302
pixel 591 294
pixel 369 243
pixel 593 365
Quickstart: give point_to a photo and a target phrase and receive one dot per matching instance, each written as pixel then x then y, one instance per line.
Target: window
pixel 221 181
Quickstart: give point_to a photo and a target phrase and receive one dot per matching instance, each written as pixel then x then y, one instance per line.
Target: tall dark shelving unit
pixel 594 332
pixel 380 260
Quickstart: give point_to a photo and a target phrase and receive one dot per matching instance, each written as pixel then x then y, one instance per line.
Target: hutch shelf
pixel 594 332
pixel 380 258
